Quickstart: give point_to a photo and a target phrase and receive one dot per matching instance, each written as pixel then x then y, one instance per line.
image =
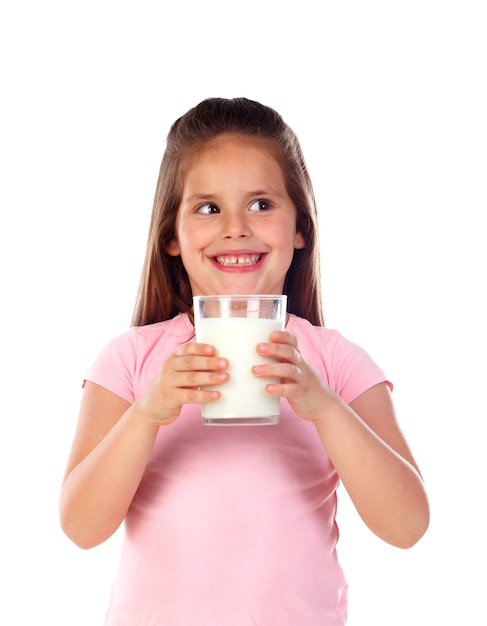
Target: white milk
pixel 244 396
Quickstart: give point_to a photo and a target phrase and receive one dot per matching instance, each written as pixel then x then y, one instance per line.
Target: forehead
pixel 201 151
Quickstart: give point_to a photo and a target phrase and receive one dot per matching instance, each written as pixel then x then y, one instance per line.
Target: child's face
pixel 236 224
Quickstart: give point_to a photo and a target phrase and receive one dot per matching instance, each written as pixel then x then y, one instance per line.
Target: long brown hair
pixel 164 289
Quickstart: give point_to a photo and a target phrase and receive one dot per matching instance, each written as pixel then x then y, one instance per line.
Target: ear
pixel 299 241
pixel 172 248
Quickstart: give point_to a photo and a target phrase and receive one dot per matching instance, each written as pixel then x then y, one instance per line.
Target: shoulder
pixel 320 337
pixel 176 331
pixel 316 338
pixel 126 363
pixel 142 339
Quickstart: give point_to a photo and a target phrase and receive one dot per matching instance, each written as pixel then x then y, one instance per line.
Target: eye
pixel 260 205
pixel 208 209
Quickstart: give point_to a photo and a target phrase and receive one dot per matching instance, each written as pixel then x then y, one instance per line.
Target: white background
pixel 389 102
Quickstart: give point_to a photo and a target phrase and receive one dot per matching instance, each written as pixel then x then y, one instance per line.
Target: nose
pixel 235 226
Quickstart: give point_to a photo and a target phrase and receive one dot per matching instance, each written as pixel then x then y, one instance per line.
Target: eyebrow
pixel 198 197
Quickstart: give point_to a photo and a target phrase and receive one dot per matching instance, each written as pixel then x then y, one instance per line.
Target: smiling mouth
pixel 238 261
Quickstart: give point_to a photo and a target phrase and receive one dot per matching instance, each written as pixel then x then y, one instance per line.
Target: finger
pixel 283 371
pixel 278 351
pixel 199 396
pixel 198 379
pixel 285 390
pixel 189 362
pixel 282 336
pixel 193 348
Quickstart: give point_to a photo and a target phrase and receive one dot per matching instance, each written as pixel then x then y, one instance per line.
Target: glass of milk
pixel 235 325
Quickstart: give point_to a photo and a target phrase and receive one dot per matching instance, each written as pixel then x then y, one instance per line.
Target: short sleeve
pixel 115 365
pixel 354 370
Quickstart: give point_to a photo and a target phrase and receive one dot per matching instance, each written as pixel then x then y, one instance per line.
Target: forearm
pixel 98 491
pixel 386 489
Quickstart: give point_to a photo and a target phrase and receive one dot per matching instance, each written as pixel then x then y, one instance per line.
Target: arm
pixel 375 464
pixel 110 450
pixel 364 443
pixel 114 440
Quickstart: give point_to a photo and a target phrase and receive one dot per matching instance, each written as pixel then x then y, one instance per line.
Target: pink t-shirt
pixel 231 526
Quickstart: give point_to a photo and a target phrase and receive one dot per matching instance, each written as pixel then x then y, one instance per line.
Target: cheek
pixel 194 238
pixel 285 235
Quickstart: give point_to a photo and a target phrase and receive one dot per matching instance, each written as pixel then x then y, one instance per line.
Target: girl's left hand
pixel 364 443
pixel 305 390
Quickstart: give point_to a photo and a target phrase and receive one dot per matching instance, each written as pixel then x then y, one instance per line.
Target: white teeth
pixel 249 259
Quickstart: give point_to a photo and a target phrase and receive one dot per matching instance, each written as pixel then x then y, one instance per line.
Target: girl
pixel 234 526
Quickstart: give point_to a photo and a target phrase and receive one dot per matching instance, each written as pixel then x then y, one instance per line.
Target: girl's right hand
pixel 114 440
pixel 182 379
